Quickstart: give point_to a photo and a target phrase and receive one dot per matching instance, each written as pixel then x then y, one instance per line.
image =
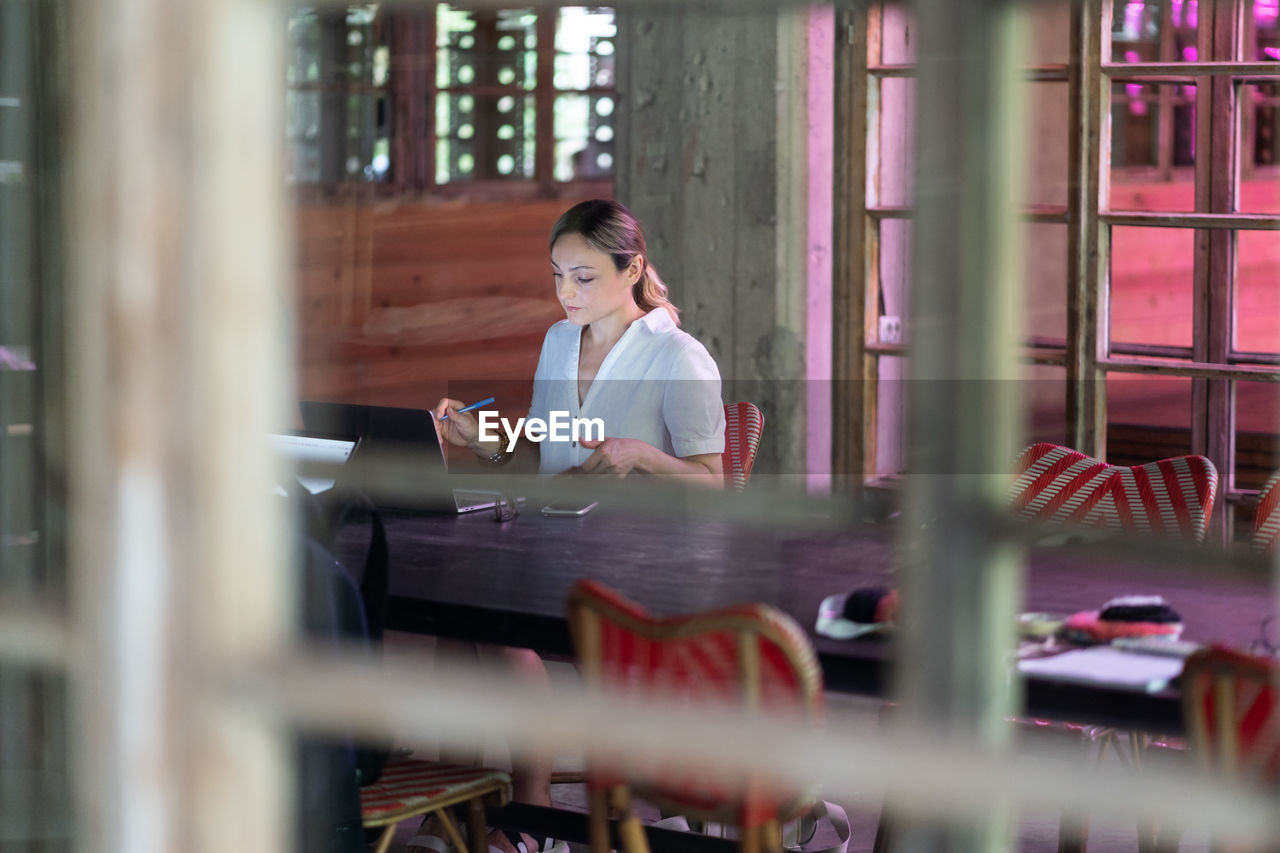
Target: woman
pixel 620 356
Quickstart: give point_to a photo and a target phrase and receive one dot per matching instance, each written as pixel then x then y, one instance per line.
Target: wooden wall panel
pixel 399 303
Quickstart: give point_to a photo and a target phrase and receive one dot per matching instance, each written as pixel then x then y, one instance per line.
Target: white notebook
pixel 309 447
pixel 1104 665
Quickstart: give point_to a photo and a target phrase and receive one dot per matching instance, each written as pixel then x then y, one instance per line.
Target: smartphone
pixel 568 509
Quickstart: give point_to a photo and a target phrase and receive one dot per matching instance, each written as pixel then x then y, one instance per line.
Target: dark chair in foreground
pixel 750 654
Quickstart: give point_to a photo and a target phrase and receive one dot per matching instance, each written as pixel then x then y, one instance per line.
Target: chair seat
pixel 408 787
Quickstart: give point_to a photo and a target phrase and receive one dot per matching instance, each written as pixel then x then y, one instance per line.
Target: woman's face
pixel 587 283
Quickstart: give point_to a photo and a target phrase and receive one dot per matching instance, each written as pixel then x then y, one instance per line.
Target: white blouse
pixel 657 384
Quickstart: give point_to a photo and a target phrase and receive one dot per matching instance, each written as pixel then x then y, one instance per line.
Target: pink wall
pixel 818 306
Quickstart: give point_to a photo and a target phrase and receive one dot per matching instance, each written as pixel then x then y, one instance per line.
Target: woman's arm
pixel 463 430
pixel 618 457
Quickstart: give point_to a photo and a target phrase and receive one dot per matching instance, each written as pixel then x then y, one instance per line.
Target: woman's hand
pixel 619 457
pixel 461 430
pixel 615 457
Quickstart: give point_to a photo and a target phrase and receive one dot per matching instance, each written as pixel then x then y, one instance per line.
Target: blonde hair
pixel 609 227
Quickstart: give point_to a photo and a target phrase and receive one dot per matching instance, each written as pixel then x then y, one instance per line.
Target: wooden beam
pixel 176 372
pixel 852 403
pixel 1087 256
pixel 963 397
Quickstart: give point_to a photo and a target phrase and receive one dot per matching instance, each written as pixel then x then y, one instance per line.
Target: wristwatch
pixel 499 458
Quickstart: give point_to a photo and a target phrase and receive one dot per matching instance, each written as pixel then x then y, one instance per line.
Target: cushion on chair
pixel 743 424
pixel 408 787
pixel 699 658
pixel 1266 520
pixel 1063 486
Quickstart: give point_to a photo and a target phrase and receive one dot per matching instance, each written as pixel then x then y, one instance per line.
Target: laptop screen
pixel 310 447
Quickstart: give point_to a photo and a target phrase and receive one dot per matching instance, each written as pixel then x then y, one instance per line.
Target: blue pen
pixel 486 401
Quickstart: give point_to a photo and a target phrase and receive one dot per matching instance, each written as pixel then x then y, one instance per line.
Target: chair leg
pixel 1073 833
pixel 884 832
pixel 451 829
pixel 477 827
pixel 771 836
pixel 598 820
pixel 630 830
pixel 384 840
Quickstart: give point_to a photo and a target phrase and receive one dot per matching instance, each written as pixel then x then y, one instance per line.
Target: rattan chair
pixel 410 788
pixel 1168 497
pixel 1231 708
pixel 751 654
pixel 1266 518
pixel 743 425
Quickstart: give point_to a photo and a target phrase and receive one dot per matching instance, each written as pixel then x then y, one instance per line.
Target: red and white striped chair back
pixel 1266 519
pixel 743 424
pixel 1231 705
pixel 751 654
pixel 1169 497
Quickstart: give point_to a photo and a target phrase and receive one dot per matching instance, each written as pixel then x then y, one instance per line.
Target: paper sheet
pixel 1107 666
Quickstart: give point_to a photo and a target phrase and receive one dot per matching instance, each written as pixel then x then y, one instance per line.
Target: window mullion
pixel 1089 159
pixel 545 102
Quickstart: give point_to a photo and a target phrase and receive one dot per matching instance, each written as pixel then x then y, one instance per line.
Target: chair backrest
pixel 1232 714
pixel 1169 497
pixel 743 424
pixel 751 654
pixel 1266 519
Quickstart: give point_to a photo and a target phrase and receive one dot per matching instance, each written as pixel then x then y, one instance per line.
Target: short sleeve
pixel 691 407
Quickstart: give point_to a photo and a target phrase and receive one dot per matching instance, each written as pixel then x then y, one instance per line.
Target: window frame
pixel 412 94
pixel 1087 353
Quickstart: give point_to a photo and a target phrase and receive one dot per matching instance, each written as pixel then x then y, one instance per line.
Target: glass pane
pixel 890 183
pixel 1152 146
pixel 337 122
pixel 895 273
pixel 1151 285
pixel 484 137
pixel 1148 417
pixel 1047 145
pixel 1257 296
pixel 897 35
pixel 1045 292
pixel 1154 31
pixel 303 55
pixel 585 44
pixel 891 417
pixel 1257 436
pixel 1260 148
pixel 584 136
pixel 1266 26
pixel 486 48
pixel 1045 393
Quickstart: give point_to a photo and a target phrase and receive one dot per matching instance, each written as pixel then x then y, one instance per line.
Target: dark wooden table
pixel 470 577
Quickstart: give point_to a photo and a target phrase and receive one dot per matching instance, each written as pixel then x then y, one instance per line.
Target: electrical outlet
pixel 890 329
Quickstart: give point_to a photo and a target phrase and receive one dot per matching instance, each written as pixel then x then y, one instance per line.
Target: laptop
pixel 304 446
pixel 407 436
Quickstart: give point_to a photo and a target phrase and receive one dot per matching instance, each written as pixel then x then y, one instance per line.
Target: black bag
pixel 338 607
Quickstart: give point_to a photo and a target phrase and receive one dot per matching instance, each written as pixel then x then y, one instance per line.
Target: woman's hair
pixel 609 227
